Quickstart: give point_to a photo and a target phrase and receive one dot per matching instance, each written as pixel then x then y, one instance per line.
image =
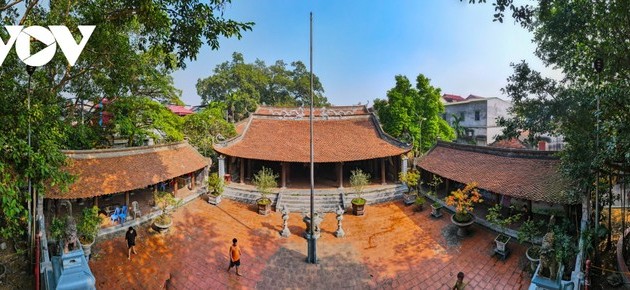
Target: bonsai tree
pixel 359 180
pixel 57 229
pixel 420 200
pixel 434 183
pixel 88 225
pixel 495 217
pixel 410 178
pixel 265 180
pixel 166 202
pixel 464 201
pixel 528 231
pixel 215 184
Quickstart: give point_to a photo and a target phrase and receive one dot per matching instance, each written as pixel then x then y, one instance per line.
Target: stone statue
pixel 548 261
pixel 285 222
pixel 72 240
pixel 339 233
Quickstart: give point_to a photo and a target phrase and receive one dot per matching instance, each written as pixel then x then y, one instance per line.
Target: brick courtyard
pixel 391 247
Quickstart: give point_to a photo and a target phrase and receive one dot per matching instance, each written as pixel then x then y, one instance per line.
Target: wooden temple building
pixel 508 176
pixel 345 138
pixel 111 176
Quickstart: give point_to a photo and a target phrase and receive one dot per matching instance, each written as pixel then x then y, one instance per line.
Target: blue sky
pixel 359 46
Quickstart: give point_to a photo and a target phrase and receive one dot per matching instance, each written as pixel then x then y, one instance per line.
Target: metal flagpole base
pixel 312 250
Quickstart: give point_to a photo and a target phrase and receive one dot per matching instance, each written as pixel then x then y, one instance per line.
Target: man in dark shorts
pixel 235 256
pixel 131 241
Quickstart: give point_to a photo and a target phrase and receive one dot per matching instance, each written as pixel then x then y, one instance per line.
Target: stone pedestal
pixel 339 233
pixel 285 222
pixel 316 221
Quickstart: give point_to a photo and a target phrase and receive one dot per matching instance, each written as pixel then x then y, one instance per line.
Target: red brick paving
pixel 391 247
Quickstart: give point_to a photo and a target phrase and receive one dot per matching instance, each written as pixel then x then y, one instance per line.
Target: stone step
pixel 327 200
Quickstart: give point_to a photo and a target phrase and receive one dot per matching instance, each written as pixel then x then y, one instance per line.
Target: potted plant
pixel 166 203
pixel 529 231
pixel 87 229
pixel 215 188
pixel 410 179
pixel 265 180
pixel 359 180
pixel 464 200
pixel 496 218
pixel 419 202
pixel 436 206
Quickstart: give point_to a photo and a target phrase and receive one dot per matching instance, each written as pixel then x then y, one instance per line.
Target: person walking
pixel 235 256
pixel 459 285
pixel 130 237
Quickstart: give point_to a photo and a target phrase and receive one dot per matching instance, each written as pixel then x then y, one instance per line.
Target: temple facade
pixel 345 138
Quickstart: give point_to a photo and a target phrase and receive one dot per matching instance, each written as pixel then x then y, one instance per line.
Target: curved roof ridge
pixel 500 151
pixel 118 152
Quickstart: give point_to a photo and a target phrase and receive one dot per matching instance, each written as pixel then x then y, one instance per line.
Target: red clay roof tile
pixel 340 134
pixel 526 174
pixel 108 171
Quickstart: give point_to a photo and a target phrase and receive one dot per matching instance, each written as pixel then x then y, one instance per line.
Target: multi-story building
pixel 477 116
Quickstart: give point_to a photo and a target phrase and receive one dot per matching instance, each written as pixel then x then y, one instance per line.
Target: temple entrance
pixel 297 174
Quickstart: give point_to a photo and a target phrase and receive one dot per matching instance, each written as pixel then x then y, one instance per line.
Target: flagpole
pixel 312 242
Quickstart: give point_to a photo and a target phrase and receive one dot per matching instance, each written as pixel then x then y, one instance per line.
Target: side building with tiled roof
pixel 345 138
pixel 119 173
pixel 507 175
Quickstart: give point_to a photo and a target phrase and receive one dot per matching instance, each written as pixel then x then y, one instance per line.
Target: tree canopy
pixel 243 86
pixel 414 114
pixel 205 128
pixel 131 53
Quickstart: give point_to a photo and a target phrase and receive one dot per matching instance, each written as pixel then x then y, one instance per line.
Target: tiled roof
pixel 108 171
pixel 180 110
pixel 340 134
pixel 452 98
pixel 513 143
pixel 525 174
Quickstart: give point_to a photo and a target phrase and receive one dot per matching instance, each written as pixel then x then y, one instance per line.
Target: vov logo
pixel 55 34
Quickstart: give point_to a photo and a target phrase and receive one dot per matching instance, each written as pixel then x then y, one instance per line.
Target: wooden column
pixel 155 188
pixel 283 166
pixel 242 179
pixel 192 181
pixel 447 186
pixel 288 172
pixel 96 201
pixel 340 174
pixel 383 176
pixel 127 198
pixel 229 161
pixel 175 186
pixel 249 169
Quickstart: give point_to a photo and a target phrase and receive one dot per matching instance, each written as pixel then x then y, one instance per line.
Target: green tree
pixel 572 36
pixel 206 127
pixel 138 118
pixel 132 51
pixel 243 86
pixel 407 109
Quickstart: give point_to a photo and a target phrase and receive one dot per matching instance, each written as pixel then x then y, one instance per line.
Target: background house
pixel 477 115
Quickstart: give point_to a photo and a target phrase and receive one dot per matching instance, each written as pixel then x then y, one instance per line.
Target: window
pixel 477 117
pixel 462 116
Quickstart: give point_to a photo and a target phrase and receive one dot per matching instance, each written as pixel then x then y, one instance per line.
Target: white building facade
pixel 479 118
